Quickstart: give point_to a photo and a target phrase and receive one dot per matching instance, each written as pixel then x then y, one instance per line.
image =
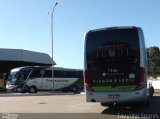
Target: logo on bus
pixel 112 53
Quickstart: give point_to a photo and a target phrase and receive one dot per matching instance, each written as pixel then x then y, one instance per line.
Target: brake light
pixel 87 81
pixel 141 81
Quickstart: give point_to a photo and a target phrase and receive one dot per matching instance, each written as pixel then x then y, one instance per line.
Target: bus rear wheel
pixel 33 89
pixel 74 89
pixel 151 91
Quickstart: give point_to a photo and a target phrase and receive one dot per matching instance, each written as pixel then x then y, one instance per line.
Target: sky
pixel 26 24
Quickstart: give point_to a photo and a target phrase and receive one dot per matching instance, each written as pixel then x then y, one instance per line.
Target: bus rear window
pixel 113 56
pixel 111 44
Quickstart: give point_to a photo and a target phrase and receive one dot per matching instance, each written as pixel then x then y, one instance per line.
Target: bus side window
pixel 35 74
pixel 21 78
pixel 48 73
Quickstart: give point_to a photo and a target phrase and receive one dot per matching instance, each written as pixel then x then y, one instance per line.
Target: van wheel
pixel 32 89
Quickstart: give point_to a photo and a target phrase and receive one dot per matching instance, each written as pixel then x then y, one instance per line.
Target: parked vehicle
pixel 32 79
pixel 115 67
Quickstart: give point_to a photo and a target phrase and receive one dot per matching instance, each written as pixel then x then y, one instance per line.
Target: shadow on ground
pixel 153 108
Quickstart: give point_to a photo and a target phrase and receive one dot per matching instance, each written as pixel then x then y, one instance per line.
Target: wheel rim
pixel 32 90
pixel 74 89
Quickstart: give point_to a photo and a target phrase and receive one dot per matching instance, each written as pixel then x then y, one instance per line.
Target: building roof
pixel 18 57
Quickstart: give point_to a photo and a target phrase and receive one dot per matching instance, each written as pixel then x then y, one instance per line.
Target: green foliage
pixel 153 54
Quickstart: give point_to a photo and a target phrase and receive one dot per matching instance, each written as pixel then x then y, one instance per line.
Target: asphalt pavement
pixel 70 106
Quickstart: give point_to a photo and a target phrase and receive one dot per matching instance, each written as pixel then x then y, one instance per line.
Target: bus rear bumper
pixel 130 97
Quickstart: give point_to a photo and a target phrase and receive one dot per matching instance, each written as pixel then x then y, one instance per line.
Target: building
pixel 12 58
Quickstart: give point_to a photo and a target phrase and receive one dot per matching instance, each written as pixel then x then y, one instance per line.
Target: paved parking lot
pixel 69 106
pixel 71 103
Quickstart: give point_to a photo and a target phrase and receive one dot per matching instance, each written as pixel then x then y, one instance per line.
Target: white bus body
pixel 31 79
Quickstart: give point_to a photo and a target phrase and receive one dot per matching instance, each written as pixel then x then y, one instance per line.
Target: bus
pixel 39 78
pixel 115 67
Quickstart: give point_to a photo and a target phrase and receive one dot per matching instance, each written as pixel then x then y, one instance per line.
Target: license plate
pixel 114 96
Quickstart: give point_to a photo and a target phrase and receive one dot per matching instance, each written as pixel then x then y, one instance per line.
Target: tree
pixel 153 54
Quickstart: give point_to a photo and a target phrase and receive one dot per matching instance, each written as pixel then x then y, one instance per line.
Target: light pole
pixel 52 39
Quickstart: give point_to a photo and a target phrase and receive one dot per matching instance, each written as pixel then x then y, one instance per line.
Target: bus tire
pixel 145 103
pixel 106 104
pixel 33 89
pixel 74 89
pixel 151 90
pixel 25 89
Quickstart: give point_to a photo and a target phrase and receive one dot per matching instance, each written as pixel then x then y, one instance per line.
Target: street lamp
pixel 52 39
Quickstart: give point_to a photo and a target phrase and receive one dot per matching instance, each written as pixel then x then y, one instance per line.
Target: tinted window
pixel 48 73
pixel 66 74
pixel 104 44
pixel 36 72
pixel 63 74
pixel 23 75
pixel 113 56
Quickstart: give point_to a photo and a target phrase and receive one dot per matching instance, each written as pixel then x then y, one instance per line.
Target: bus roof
pixel 62 68
pixel 118 27
pixel 45 67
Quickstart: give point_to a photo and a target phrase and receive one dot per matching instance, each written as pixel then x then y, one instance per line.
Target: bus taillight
pixel 141 81
pixel 87 81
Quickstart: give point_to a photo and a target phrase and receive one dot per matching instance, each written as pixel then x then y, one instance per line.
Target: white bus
pixel 34 78
pixel 115 67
